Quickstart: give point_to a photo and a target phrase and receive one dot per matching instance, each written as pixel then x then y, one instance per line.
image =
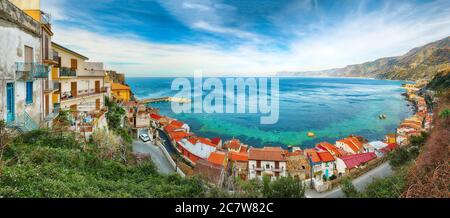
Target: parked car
pixel 144 137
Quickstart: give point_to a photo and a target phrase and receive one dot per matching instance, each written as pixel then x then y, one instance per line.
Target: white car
pixel 144 137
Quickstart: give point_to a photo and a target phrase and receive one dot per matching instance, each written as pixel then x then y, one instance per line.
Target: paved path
pixel 156 154
pixel 360 183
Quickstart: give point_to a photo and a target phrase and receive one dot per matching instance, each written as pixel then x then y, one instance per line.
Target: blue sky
pixel 236 37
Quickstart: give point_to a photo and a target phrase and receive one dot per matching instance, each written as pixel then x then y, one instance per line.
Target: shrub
pixel 348 188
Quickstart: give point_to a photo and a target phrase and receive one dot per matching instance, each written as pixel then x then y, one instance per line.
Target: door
pixel 258 164
pixel 73 89
pixel 10 107
pixel 28 58
pixel 47 105
pixel 277 165
pixel 97 104
pixel 97 86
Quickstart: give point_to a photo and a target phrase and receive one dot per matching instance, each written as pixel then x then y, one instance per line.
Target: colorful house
pixel 121 92
pixel 351 145
pixel 267 161
pixel 347 163
pixel 322 163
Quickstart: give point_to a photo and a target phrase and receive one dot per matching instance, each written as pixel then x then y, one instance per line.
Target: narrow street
pixel 360 183
pixel 156 155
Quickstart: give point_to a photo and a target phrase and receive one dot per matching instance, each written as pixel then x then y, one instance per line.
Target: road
pixel 156 154
pixel 360 183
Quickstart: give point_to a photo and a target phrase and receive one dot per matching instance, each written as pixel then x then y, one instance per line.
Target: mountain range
pixel 419 63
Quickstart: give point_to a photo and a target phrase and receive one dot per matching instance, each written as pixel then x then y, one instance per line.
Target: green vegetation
pixel 43 164
pixel 114 115
pixel 348 188
pixel 444 114
pixel 283 187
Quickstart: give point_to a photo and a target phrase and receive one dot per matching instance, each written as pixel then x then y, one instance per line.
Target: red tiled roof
pixel 217 157
pixel 234 144
pixel 177 123
pixel 216 141
pixel 155 116
pixel 325 156
pixel 169 128
pixel 238 156
pixel 177 136
pixel 312 154
pixel 357 159
pixel 206 141
pixel 243 149
pixel 331 148
pixel 392 146
pixel 353 143
pixel 267 153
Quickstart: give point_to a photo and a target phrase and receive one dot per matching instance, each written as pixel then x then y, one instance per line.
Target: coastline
pixel 260 137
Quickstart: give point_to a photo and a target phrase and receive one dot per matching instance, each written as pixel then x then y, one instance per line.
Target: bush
pixel 348 188
pixel 398 157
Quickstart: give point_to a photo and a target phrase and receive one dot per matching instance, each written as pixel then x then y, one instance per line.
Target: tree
pixel 348 188
pixel 107 142
pixel 286 187
pixel 399 157
pixel 114 115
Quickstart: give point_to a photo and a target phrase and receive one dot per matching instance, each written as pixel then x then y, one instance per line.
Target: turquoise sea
pixel 332 108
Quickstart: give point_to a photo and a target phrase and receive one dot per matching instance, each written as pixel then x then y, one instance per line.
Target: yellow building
pixel 121 92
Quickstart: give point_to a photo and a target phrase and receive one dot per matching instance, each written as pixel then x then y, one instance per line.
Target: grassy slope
pixel 42 164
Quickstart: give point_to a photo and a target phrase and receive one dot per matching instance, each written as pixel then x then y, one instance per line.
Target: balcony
pixel 51 86
pixel 54 113
pixel 67 72
pixel 81 93
pixel 28 71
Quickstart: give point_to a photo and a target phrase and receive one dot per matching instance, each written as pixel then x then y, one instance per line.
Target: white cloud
pixel 138 57
pixel 360 37
pixel 190 5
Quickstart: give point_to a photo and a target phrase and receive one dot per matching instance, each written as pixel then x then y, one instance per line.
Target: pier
pixel 165 99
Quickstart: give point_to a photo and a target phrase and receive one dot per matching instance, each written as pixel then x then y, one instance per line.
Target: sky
pixel 243 37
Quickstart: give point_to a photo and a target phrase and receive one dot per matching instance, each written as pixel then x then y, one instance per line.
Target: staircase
pixel 23 123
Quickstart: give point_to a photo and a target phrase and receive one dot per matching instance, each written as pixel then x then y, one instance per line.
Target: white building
pixel 375 146
pixel 267 161
pixel 21 69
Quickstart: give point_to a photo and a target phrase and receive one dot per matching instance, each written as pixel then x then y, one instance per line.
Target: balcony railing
pixel 45 18
pixel 51 86
pixel 81 93
pixel 66 71
pixel 27 71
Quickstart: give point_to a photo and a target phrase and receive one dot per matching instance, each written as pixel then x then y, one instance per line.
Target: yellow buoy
pixel 311 134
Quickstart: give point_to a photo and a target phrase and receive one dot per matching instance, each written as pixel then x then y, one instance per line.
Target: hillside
pixel 419 63
pixel 42 164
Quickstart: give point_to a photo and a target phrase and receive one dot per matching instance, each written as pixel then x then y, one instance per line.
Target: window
pixel 267 166
pixel 29 96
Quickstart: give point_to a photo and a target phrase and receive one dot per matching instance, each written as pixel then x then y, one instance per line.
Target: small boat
pixel 382 116
pixel 311 134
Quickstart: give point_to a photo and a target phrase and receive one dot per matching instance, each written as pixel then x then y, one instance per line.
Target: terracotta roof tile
pixel 218 157
pixel 267 153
